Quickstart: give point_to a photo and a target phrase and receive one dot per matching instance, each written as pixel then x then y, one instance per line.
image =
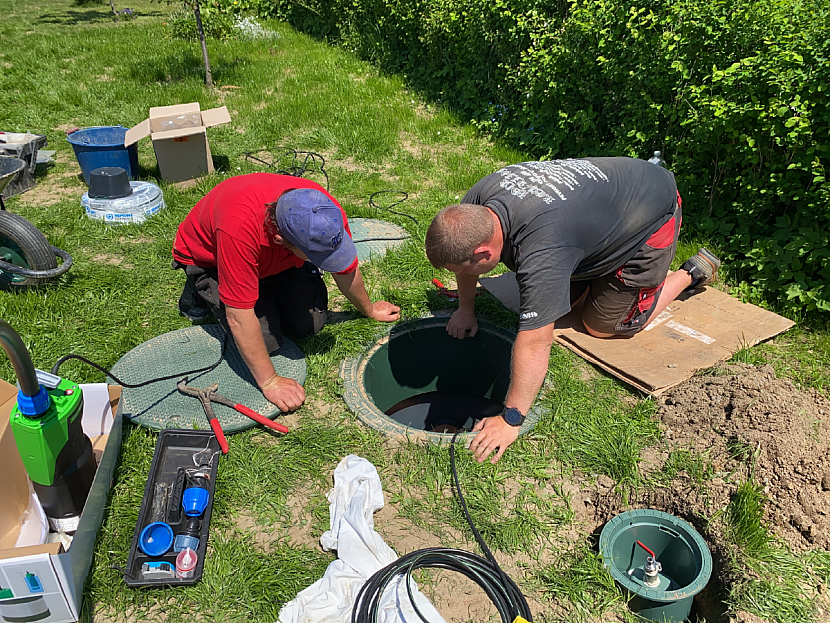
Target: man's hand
pixel 385 312
pixel 495 436
pixel 462 324
pixel 286 393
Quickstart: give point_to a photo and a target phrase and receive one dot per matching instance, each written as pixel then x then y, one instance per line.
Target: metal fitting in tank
pixel 651 570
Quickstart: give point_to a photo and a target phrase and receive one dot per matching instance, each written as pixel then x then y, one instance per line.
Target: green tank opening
pixel 418 381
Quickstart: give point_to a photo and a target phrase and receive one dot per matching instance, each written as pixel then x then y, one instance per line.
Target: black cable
pixel 486 572
pixel 311 161
pixel 178 375
pixel 389 208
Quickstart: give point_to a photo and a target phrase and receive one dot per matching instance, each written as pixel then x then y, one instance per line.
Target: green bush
pixel 217 20
pixel 734 92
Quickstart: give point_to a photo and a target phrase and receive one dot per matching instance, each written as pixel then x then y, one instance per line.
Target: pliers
pixel 442 290
pixel 208 395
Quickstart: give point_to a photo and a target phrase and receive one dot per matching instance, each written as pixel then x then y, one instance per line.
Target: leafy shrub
pixel 217 20
pixel 733 92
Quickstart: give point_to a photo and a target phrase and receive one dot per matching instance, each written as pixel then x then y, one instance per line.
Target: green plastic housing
pixel 679 548
pixel 41 439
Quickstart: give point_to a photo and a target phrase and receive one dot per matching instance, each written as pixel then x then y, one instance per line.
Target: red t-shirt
pixel 226 229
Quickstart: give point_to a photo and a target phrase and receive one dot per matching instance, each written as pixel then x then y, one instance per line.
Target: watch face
pixel 513 417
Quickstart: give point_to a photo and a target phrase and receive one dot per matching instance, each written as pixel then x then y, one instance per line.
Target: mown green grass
pixel 66 64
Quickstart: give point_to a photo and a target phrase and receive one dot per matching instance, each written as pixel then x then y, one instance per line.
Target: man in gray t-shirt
pixel 599 230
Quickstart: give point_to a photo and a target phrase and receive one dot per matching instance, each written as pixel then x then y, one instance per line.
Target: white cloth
pixel 361 551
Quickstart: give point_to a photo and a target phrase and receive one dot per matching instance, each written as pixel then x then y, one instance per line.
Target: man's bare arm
pixel 286 393
pixel 353 288
pixel 463 322
pixel 529 366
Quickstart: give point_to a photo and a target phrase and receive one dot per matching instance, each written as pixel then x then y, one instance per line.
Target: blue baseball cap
pixel 314 224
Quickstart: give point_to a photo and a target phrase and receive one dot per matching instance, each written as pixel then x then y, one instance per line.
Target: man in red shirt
pixel 252 250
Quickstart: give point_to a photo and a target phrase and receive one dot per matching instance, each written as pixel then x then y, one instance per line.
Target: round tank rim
pixel 606 541
pixel 361 403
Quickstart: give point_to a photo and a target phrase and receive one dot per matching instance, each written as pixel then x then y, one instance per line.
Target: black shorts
pixel 293 301
pixel 622 303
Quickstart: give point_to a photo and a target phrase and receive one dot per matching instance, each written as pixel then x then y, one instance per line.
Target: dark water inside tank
pixel 442 411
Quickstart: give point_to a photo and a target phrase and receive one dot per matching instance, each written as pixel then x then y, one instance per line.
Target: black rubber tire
pixel 34 246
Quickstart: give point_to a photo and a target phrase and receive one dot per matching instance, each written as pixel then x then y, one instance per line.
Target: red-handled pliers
pixel 442 289
pixel 208 395
pixel 257 417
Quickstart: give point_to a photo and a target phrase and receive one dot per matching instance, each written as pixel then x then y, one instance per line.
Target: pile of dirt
pixel 745 417
pixel 745 421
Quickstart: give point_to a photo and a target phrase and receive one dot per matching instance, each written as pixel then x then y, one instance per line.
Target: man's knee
pixel 596 333
pixel 608 332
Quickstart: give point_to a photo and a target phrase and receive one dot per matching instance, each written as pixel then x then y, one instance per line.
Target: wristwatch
pixel 513 416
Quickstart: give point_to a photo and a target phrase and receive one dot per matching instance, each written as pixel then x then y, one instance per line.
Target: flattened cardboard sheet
pixel 695 332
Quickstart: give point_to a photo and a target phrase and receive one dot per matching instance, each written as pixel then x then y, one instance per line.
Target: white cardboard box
pixel 180 139
pixel 44 582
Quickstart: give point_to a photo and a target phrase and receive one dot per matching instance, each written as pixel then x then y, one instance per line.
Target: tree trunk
pixel 112 6
pixel 201 31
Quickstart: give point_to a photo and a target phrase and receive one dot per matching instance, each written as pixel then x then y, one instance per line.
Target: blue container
pixel 156 539
pixel 104 147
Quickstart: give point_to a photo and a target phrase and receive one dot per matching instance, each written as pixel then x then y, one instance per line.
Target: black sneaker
pixel 703 267
pixel 194 314
pixel 192 306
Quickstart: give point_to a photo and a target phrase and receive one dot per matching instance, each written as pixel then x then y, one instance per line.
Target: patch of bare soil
pixel 49 192
pixel 139 240
pixel 112 260
pixel 301 531
pixel 262 536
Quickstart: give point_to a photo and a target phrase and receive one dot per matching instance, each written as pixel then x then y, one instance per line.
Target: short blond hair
pixel 456 232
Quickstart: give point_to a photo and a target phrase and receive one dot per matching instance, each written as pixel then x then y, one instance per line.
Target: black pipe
pixel 40 274
pixel 20 358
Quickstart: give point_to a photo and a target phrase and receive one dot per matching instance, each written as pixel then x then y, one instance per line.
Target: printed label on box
pixel 180 139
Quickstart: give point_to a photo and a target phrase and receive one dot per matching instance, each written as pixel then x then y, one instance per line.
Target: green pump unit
pixel 46 423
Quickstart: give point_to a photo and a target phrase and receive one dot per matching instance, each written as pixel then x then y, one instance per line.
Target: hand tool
pixel 211 395
pixel 442 289
pixel 204 395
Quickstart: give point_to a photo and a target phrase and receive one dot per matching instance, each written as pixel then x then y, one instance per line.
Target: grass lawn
pixel 66 65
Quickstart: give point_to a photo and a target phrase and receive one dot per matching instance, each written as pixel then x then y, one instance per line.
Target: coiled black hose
pixel 485 572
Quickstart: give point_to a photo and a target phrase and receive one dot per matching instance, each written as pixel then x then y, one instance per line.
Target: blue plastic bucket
pixel 104 147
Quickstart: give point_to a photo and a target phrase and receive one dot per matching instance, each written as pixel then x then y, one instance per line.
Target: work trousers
pixel 293 301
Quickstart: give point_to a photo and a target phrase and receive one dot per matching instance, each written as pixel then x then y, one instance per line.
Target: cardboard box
pixel 44 582
pixel 180 139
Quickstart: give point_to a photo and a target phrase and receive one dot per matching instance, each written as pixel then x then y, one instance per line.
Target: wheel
pixel 23 244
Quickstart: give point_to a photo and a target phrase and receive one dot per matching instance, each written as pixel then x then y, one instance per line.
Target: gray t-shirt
pixel 575 220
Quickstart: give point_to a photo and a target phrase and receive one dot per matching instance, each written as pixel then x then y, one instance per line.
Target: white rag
pixel 361 551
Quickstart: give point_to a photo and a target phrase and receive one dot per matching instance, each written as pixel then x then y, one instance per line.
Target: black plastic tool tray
pixel 174 453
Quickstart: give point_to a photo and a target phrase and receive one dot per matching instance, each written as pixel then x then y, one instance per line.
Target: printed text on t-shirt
pixel 554 176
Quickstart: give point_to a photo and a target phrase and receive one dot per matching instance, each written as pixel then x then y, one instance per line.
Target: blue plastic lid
pixel 33 406
pixel 194 501
pixel 156 539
